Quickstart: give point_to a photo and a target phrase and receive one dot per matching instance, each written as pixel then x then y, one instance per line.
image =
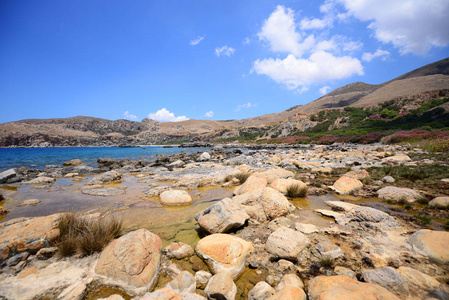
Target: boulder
pixel 73 162
pixel 176 164
pixel 389 278
pixel 358 174
pixel 184 282
pixel 339 270
pixel 221 286
pixel 261 291
pixel 399 194
pixel 178 250
pixel 224 252
pixel 388 179
pixel 286 243
pixel 8 174
pixel 222 217
pixel 274 173
pixel 418 279
pixel 27 234
pixel 289 293
pixel 439 202
pixel 205 156
pixel 432 244
pixel 176 197
pixel 202 278
pixel 42 180
pixel 290 280
pixel 343 288
pixel 107 177
pixel 282 185
pixel 399 159
pixel 251 184
pixel 133 259
pixel 346 185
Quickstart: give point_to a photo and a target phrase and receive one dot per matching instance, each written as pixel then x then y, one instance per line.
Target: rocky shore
pixel 364 237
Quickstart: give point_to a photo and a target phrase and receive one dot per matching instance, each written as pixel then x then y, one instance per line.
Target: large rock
pixel 222 217
pixel 8 174
pixel 274 173
pixel 107 177
pixel 345 185
pixel 134 259
pixel 399 159
pixel 389 278
pixel 221 286
pixel 358 174
pixel 286 243
pixel 418 279
pixel 224 252
pixel 205 156
pixel 73 162
pixel 399 194
pixel 439 202
pixel 290 280
pixel 289 293
pixel 343 288
pixel 264 204
pixel 176 197
pixel 261 291
pixel 184 282
pixel 432 244
pixel 282 185
pixel 27 234
pixel 42 180
pixel 251 184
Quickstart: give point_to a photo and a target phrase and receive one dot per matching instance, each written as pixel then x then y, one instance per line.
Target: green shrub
pixel 423 219
pixel 327 262
pixel 86 235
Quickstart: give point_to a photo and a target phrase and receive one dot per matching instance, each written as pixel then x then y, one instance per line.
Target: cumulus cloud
pixel 129 116
pixel 197 40
pixel 410 25
pixel 310 59
pixel 225 50
pixel 209 114
pixel 164 115
pixel 324 90
pixel 294 72
pixel 246 105
pixel 379 53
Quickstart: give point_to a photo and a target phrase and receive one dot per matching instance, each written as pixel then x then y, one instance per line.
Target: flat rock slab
pixel 286 243
pixel 104 191
pixel 27 234
pixel 343 288
pixel 399 194
pixel 224 252
pixel 389 278
pixel 133 259
pixel 433 244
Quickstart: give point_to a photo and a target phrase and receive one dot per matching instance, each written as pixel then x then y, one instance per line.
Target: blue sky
pixel 218 60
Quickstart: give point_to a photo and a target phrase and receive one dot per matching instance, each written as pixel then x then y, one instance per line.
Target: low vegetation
pixel 296 190
pixel 327 262
pixel 242 176
pixel 86 235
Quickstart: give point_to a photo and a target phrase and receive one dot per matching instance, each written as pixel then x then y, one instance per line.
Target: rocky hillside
pixel 88 131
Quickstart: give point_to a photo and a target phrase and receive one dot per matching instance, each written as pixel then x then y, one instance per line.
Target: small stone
pixel 202 278
pixel 306 228
pixel 221 286
pixel 327 249
pixel 261 291
pixel 178 250
pixel 345 271
pixel 388 179
pixel 184 282
pixel 30 202
pixel 439 202
pixel 290 280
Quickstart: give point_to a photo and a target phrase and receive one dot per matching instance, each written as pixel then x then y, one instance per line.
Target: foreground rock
pixel 107 177
pixel 346 185
pixel 178 250
pixel 221 286
pixel 399 194
pixel 224 252
pixel 27 234
pixel 389 278
pixel 286 243
pixel 7 175
pixel 176 197
pixel 251 184
pixel 432 244
pixel 343 288
pixel 132 260
pixel 222 217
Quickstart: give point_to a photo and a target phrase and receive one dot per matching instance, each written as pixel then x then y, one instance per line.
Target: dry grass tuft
pixel 86 235
pixel 296 190
pixel 327 262
pixel 242 177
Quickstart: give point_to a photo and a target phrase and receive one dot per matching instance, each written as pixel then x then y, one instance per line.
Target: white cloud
pixel 410 25
pixel 246 41
pixel 129 116
pixel 163 115
pixel 379 53
pixel 209 114
pixel 225 50
pixel 246 105
pixel 324 90
pixel 197 40
pixel 294 72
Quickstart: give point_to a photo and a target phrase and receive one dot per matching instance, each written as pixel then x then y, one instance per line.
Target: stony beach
pixel 309 222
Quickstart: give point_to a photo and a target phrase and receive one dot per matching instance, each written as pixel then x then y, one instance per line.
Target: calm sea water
pixel 39 157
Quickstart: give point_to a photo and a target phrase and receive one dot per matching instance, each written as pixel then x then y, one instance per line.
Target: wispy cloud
pixel 209 114
pixel 246 41
pixel 129 116
pixel 379 53
pixel 225 50
pixel 324 90
pixel 246 105
pixel 164 115
pixel 197 40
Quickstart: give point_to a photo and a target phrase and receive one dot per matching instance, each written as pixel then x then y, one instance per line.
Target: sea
pixel 38 158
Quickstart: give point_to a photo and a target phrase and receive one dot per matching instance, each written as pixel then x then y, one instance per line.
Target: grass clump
pixel 296 190
pixel 424 219
pixel 446 225
pixel 327 262
pixel 242 176
pixel 86 235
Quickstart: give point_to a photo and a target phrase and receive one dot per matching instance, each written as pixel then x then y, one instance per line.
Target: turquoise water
pixel 39 157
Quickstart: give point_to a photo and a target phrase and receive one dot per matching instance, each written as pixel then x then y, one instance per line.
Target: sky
pixel 215 60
